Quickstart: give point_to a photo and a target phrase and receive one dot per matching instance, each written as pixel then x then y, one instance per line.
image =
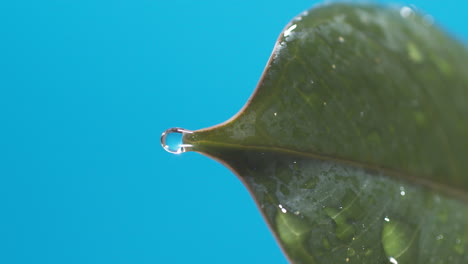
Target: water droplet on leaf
pixel 399 241
pixel 406 11
pixel 172 140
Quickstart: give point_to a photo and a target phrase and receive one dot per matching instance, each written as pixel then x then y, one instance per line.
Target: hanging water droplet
pixel 172 140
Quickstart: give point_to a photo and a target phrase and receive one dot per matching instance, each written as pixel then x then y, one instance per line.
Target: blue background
pixel 87 87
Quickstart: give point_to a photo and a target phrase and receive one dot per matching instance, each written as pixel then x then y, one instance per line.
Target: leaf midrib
pixel 447 190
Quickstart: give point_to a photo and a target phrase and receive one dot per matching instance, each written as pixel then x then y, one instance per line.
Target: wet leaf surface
pixel 355 143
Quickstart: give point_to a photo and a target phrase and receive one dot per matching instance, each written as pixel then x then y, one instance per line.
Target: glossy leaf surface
pixel 355 143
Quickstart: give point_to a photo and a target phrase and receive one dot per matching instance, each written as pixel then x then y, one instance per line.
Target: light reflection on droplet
pixel 288 31
pixel 402 191
pixel 283 210
pixel 387 219
pixel 392 260
pixel 171 140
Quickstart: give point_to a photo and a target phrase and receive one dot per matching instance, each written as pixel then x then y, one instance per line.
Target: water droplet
pixel 387 219
pixel 343 230
pixel 459 246
pixel 341 39
pixel 172 140
pixel 291 228
pixel 428 20
pixel 406 11
pixel 414 52
pixel 283 210
pixel 399 241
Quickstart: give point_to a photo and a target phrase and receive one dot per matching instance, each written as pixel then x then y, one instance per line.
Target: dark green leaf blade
pixel 324 211
pixel 355 143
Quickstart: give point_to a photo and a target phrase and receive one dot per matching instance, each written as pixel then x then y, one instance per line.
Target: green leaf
pixel 355 143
